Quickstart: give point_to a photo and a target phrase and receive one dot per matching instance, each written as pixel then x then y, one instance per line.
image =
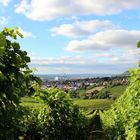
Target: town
pixel 73 84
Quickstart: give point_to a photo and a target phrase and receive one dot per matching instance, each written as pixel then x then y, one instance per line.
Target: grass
pixel 93 104
pixel 30 102
pixel 81 91
pixel 95 88
pixel 89 104
pixel 86 104
pixel 116 91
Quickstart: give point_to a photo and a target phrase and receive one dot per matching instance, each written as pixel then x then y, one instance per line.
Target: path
pixel 96 132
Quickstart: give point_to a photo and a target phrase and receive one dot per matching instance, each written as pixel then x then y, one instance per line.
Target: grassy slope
pixel 95 88
pixel 94 103
pixel 30 102
pixel 116 91
pixel 84 104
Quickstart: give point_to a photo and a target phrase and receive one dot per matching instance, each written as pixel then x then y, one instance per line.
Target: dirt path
pixel 96 132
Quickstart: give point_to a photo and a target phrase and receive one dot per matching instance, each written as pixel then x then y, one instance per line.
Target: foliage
pixel 57 117
pixel 100 92
pixel 138 45
pixel 54 117
pixel 61 119
pixel 122 121
pixel 16 78
pixel 80 92
pixel 103 95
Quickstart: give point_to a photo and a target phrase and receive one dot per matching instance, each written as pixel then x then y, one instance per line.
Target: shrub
pixel 61 119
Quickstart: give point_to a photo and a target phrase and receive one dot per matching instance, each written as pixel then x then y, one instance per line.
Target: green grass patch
pixel 93 104
pixel 31 102
pixel 116 91
pixel 81 91
pixel 88 104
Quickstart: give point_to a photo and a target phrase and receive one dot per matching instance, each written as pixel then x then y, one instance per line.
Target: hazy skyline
pixel 76 36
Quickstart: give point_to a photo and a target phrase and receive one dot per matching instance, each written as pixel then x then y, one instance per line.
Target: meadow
pixel 88 104
pixel 85 104
pixel 116 91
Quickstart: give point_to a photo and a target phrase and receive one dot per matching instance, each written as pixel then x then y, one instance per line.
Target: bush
pixel 65 119
pixel 103 94
pixel 59 119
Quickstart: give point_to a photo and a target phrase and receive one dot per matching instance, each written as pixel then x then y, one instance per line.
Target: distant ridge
pixel 124 74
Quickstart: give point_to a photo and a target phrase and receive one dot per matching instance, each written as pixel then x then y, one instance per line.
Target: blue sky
pixel 76 36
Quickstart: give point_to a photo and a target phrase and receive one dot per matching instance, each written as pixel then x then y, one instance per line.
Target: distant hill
pixel 126 74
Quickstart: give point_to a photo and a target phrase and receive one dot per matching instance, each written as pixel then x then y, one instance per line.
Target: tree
pixel 138 45
pixel 16 78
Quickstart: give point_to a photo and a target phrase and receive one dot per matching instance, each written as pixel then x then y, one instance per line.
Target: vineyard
pixel 29 112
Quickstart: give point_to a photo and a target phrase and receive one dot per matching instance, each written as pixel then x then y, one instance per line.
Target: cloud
pixel 3 20
pixel 23 7
pixel 4 2
pixel 106 40
pixel 64 60
pixel 25 33
pixel 110 62
pixel 82 28
pixel 52 9
pixel 125 57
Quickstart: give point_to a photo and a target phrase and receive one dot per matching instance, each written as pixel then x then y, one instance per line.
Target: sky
pixel 76 36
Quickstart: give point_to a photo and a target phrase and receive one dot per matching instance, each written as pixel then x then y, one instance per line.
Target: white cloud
pixel 106 40
pixel 4 2
pixel 63 60
pixel 80 28
pixel 22 7
pixel 67 30
pixel 3 20
pixel 25 33
pixel 125 57
pixel 107 62
pixel 51 9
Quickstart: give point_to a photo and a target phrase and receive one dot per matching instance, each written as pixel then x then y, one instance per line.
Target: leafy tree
pixel 138 45
pixel 16 78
